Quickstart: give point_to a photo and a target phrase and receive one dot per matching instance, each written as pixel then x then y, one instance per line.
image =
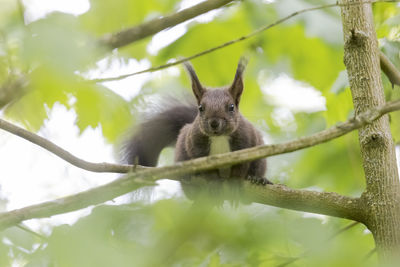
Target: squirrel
pixel 212 127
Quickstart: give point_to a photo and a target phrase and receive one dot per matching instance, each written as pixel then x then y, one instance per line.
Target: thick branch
pixel 326 203
pixel 381 197
pixel 389 69
pixel 144 30
pixel 276 195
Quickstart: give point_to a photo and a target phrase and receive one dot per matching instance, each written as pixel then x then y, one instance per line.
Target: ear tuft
pixel 197 88
pixel 236 88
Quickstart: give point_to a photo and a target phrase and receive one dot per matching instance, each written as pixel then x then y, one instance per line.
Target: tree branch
pixel 378 152
pixel 276 195
pixel 62 153
pixel 243 38
pixel 130 35
pixel 207 51
pixel 389 69
pixel 213 161
pixel 326 203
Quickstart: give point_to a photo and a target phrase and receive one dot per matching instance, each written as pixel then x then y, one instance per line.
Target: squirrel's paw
pixel 259 180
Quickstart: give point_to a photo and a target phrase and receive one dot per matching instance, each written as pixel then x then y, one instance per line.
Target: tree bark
pixel 381 197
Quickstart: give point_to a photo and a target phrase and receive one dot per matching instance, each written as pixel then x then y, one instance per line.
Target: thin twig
pixel 245 37
pixel 26 229
pixel 351 225
pixel 389 69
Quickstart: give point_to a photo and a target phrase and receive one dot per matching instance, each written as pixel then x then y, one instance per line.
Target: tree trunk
pixel 381 197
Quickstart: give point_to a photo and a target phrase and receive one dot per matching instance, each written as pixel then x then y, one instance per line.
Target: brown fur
pixel 193 140
pixel 217 115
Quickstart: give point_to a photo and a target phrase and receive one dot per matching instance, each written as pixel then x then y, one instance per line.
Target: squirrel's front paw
pixel 259 180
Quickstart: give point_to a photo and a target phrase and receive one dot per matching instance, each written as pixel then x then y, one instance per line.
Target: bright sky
pixel 33 175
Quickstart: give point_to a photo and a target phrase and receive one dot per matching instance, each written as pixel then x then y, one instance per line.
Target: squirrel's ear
pixel 236 88
pixel 197 88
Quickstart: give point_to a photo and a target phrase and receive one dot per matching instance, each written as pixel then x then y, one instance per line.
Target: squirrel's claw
pixel 259 180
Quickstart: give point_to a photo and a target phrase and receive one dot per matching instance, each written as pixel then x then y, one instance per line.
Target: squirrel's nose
pixel 214 124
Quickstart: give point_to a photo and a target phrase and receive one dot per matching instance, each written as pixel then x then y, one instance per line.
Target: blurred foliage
pixel 54 52
pixel 122 14
pixel 177 233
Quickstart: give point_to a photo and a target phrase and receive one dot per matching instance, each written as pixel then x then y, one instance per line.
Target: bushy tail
pixel 156 133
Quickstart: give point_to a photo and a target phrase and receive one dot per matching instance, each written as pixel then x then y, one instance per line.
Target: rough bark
pixel 381 196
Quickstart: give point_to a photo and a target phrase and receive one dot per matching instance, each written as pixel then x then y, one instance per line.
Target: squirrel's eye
pixel 201 108
pixel 231 107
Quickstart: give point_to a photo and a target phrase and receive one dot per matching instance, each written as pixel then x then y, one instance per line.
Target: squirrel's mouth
pixel 215 126
pixel 217 132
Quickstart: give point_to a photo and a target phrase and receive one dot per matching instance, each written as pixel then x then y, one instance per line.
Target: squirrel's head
pixel 218 108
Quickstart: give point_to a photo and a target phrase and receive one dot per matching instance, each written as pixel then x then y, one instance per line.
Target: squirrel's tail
pixel 157 132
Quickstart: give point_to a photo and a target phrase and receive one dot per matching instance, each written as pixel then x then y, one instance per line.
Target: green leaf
pixel 341 83
pixel 320 166
pixel 137 50
pixel 339 107
pixel 217 68
pixel 21 238
pixel 214 261
pixel 58 42
pixel 122 14
pixel 385 17
pixel 175 233
pixel 47 86
pixel 97 106
pixel 310 59
pixel 8 13
pixel 4 254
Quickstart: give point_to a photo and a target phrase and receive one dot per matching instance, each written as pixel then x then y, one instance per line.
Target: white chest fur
pixel 219 145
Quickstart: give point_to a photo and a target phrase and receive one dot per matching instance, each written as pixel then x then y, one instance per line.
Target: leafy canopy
pixel 53 52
